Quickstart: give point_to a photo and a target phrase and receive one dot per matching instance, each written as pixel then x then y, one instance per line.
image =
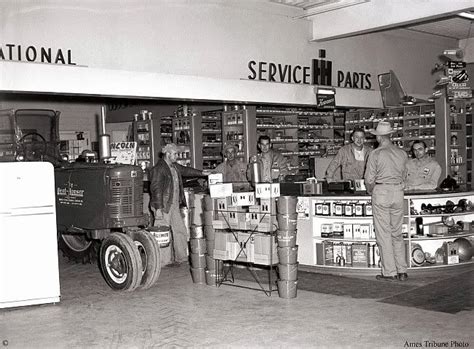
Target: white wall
pixel 196 50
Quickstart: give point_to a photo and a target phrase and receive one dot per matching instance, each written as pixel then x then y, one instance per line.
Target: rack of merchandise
pixel 166 130
pixel 342 239
pixel 301 134
pixel 146 131
pixel 186 135
pixel 455 135
pixel 416 122
pixel 246 237
pixel 238 125
pixel 211 139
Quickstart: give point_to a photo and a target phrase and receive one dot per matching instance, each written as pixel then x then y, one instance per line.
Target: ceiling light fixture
pixel 468 15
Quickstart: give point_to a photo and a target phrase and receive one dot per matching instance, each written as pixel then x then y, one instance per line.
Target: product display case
pixel 302 134
pixel 211 139
pixel 146 131
pixel 410 123
pixel 238 127
pixel 336 233
pixel 188 138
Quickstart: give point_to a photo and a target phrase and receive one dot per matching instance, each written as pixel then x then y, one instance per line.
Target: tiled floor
pixel 177 313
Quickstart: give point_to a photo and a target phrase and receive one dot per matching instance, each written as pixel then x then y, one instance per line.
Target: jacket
pixel 161 185
pixel 350 167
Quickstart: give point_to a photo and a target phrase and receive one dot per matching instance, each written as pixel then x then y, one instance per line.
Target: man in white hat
pixel 385 180
pixel 233 170
pixel 167 197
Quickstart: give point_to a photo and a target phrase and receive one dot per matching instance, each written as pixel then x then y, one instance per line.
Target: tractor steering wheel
pixel 35 149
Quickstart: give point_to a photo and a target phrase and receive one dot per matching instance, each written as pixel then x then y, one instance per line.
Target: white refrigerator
pixel 29 272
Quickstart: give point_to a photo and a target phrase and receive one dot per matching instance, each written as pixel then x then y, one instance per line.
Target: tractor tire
pixel 120 262
pixel 150 256
pixel 78 248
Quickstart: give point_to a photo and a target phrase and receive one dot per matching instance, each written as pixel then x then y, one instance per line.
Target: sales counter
pixel 336 235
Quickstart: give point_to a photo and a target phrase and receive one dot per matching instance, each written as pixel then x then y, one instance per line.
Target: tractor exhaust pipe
pixel 104 139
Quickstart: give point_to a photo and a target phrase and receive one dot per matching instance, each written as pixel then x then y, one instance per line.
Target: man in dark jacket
pixel 167 197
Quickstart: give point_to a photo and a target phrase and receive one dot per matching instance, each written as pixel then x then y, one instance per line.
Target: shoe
pixel 402 276
pixel 386 278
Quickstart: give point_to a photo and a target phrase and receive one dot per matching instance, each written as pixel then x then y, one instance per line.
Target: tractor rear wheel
pixel 150 256
pixel 120 262
pixel 78 247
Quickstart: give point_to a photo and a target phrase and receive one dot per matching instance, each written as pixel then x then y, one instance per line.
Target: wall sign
pixel 37 54
pixel 319 72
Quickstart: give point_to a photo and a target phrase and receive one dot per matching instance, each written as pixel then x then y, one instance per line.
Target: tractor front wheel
pixel 120 262
pixel 78 247
pixel 150 256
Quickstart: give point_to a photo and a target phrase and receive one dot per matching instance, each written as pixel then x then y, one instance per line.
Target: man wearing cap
pixel 384 178
pixel 423 172
pixel 167 197
pixel 351 158
pixel 233 170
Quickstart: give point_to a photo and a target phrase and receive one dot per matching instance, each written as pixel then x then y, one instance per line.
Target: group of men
pixel 387 173
pixel 167 192
pixel 386 170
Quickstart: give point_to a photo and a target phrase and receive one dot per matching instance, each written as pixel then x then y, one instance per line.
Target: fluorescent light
pixel 468 15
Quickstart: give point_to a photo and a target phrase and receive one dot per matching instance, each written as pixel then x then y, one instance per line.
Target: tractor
pixel 99 205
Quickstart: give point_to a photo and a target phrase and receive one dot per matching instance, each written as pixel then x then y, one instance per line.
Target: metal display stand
pixel 226 277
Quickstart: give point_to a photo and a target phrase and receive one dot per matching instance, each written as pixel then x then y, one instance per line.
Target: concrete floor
pixel 177 313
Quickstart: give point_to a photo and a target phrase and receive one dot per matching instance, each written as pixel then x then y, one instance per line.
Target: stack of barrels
pixel 197 242
pixel 202 242
pixel 287 248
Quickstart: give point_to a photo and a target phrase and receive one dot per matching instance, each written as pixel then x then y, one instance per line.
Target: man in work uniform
pixel 167 197
pixel 351 158
pixel 272 163
pixel 233 171
pixel 423 172
pixel 384 178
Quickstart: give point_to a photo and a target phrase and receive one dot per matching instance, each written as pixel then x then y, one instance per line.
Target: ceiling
pixel 448 26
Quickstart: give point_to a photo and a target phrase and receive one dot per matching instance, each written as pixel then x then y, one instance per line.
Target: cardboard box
pixel 324 253
pixel 356 231
pixel 221 190
pixel 265 249
pixel 243 198
pixel 365 231
pixel 267 190
pixel 450 253
pixel 348 231
pixel 268 206
pixel 215 178
pixel 360 255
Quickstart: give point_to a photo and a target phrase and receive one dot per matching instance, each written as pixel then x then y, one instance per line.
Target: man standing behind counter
pixel 272 163
pixel 384 178
pixel 351 158
pixel 423 171
pixel 233 171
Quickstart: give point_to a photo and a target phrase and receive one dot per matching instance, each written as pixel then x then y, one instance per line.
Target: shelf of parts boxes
pixel 438 231
pixel 245 227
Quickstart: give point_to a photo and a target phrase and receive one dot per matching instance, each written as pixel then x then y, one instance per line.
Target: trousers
pixel 387 205
pixel 175 221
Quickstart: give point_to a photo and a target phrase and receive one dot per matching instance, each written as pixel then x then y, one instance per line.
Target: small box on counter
pixel 450 253
pixel 365 231
pixel 267 190
pixel 348 231
pixel 326 230
pixel 360 255
pixel 324 253
pixel 220 190
pixel 215 178
pixel 356 231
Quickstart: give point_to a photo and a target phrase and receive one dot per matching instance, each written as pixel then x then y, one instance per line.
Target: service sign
pixel 123 152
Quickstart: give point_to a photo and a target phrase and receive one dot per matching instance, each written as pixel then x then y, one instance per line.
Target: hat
pixel 230 146
pixel 169 148
pixel 383 128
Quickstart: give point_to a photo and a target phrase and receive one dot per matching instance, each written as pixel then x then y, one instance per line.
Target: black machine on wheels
pixel 99 205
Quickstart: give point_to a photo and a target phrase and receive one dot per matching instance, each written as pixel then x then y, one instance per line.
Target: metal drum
pixel 162 235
